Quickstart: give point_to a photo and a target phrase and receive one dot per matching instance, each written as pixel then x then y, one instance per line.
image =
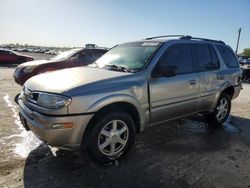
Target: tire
pixel 111 136
pixel 221 111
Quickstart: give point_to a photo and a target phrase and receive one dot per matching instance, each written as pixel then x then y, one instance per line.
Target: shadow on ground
pixel 162 156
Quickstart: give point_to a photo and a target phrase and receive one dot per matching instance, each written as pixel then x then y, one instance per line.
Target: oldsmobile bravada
pixel 101 107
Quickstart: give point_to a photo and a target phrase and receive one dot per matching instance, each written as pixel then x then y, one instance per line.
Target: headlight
pixel 50 100
pixel 29 69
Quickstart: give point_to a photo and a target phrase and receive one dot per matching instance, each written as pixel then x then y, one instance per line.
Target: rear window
pixel 228 57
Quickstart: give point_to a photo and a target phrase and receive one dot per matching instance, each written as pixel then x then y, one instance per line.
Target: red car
pixel 8 56
pixel 67 59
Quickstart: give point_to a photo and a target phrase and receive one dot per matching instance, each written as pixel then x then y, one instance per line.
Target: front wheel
pixel 221 111
pixel 111 136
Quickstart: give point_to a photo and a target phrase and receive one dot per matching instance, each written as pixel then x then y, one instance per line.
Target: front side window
pixel 228 57
pixel 178 56
pixel 130 56
pixel 207 58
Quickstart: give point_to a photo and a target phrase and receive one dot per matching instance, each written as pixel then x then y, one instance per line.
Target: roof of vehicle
pixel 165 38
pixel 96 48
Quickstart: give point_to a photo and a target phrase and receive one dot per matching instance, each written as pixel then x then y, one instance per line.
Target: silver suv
pixel 101 107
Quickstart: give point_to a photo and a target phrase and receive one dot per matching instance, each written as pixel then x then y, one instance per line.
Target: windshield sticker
pixel 150 44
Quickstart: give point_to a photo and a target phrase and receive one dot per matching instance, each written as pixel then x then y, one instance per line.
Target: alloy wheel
pixel 222 109
pixel 113 137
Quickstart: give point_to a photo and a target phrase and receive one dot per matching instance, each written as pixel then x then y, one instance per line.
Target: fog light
pixel 62 126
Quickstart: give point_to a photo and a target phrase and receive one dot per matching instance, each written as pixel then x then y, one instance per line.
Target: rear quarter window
pixel 228 57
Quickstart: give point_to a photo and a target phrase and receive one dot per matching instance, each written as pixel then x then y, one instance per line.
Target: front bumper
pixel 64 138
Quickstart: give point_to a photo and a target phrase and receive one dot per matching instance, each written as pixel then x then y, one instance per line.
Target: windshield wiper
pixel 120 68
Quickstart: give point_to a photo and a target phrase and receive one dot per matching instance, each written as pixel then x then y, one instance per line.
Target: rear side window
pixel 215 59
pixel 180 56
pixel 206 57
pixel 228 57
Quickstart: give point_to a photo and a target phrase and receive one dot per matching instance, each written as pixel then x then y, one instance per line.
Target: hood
pixel 74 80
pixel 31 63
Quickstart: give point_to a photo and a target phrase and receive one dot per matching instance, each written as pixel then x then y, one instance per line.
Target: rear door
pixel 209 77
pixel 175 96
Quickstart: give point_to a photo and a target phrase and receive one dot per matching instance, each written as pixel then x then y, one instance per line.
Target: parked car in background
pixel 245 66
pixel 11 57
pixel 101 107
pixel 71 58
pixel 242 58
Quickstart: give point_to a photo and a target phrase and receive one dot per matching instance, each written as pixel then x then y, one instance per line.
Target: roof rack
pixel 204 39
pixel 164 36
pixel 186 37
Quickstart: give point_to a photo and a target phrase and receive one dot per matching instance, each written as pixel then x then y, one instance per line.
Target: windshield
pixel 64 55
pixel 131 56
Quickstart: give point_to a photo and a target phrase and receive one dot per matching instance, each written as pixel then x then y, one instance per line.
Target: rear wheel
pixel 111 136
pixel 221 111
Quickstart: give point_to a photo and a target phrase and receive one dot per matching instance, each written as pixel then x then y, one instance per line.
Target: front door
pixel 175 96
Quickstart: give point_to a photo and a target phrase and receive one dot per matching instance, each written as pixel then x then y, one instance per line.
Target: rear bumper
pixel 64 138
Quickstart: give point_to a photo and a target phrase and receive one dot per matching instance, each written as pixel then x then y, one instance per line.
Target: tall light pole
pixel 236 51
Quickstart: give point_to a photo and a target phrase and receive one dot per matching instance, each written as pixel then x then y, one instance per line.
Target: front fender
pixel 116 98
pixel 107 100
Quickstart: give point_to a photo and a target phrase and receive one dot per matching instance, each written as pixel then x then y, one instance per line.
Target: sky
pixel 110 22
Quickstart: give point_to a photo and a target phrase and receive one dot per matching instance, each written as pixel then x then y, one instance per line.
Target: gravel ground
pixel 183 153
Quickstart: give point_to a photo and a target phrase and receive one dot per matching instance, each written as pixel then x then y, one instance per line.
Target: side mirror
pixel 167 70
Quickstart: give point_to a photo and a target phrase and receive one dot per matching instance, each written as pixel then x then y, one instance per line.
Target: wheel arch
pixel 229 90
pixel 226 88
pixel 125 106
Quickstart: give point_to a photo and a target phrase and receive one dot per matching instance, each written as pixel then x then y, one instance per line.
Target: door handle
pixel 192 82
pixel 220 77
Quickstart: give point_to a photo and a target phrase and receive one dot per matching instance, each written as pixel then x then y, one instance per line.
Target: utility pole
pixel 236 51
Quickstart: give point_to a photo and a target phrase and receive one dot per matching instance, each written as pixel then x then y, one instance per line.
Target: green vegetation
pixel 246 52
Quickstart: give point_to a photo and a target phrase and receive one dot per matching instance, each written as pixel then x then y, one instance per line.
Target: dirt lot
pixel 183 153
